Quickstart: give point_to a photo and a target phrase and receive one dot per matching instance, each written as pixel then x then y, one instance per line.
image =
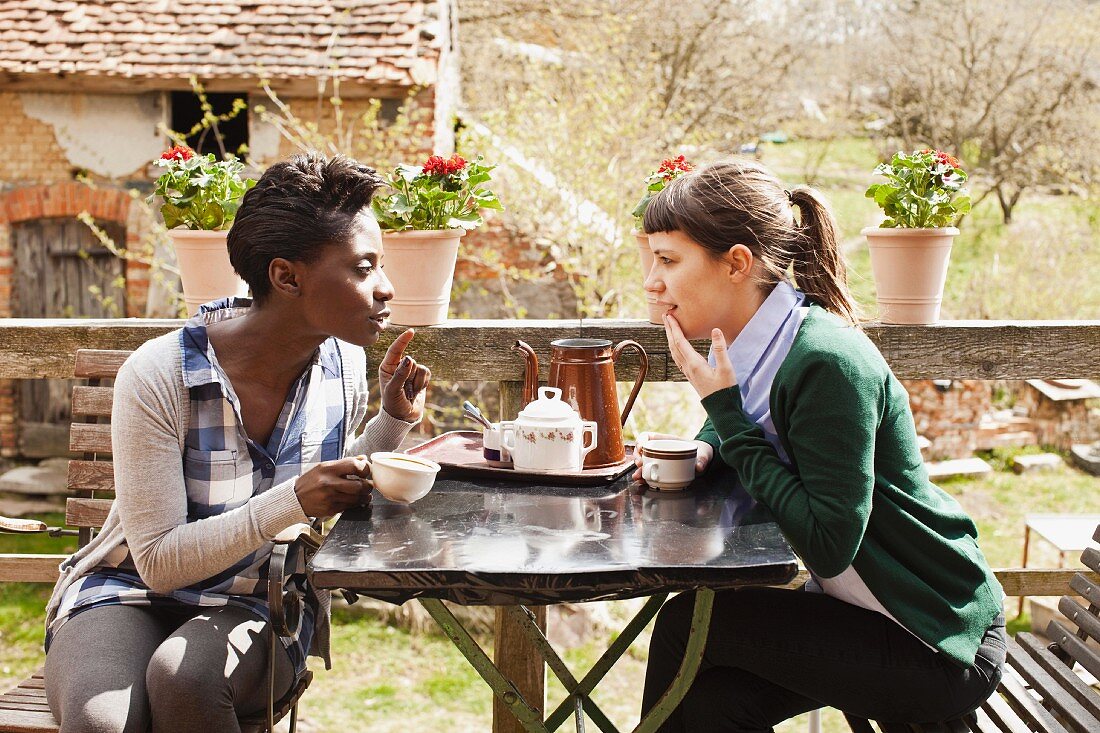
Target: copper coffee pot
pixel 584 370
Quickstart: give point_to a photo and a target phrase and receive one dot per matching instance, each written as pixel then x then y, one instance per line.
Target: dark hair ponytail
pixel 739 201
pixel 818 264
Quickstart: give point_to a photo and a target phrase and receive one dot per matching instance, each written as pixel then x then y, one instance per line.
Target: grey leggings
pixel 132 668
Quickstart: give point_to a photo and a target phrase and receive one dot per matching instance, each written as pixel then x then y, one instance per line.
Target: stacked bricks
pixel 949 417
pixel 1058 423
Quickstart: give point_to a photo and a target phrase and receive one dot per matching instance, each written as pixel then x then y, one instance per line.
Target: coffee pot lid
pixel 549 406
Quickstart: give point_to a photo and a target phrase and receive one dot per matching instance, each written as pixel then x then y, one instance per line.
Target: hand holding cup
pixel 703 456
pixel 333 486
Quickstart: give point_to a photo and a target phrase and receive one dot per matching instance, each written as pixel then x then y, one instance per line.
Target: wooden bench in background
pixel 91 485
pixel 478 350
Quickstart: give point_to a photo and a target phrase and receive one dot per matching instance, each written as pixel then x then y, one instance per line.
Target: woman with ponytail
pixel 902 619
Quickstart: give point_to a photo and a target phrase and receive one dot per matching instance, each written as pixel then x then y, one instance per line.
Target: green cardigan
pixel 857 493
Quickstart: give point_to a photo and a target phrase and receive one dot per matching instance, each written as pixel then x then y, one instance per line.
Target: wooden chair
pixel 24 709
pixel 1040 691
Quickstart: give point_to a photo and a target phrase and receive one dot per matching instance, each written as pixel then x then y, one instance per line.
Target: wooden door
pixel 61 271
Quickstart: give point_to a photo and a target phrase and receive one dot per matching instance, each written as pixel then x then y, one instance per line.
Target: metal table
pixel 486 542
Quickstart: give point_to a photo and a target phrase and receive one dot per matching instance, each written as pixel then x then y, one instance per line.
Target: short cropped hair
pixel 298 206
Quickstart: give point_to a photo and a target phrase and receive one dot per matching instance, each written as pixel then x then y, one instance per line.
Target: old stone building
pixel 86 89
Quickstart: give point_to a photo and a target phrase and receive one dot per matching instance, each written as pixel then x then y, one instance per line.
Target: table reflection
pixel 480 541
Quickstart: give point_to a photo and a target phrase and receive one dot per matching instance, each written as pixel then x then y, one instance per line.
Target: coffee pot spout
pixel 530 372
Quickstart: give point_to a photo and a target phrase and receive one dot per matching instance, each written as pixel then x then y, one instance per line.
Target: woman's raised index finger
pixel 396 351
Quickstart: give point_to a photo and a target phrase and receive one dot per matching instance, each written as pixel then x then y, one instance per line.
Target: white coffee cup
pixel 402 478
pixel 495 454
pixel 668 465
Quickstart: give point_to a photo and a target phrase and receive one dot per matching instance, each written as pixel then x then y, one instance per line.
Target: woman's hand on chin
pixel 402 381
pixel 703 377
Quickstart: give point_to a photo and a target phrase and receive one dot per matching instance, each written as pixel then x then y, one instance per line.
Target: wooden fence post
pixel 515 656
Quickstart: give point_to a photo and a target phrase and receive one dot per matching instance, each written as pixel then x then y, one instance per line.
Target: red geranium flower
pixel 454 164
pixel 179 152
pixel 436 165
pixel 673 167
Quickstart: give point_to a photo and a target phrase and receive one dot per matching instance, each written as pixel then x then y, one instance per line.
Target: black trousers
pixel 772 654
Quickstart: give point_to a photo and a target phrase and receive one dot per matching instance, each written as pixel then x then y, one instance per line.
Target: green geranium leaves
pixel 923 189
pixel 199 191
pixel 441 194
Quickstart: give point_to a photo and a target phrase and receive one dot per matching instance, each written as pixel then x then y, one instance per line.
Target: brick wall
pixel 412 146
pixel 29 151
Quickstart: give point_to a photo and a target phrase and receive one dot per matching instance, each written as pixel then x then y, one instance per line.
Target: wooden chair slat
pixel 98 363
pixel 91 476
pixel 1059 670
pixel 36 680
pixel 90 437
pixel 20 703
pixel 86 512
pixel 27 691
pixel 19 693
pixel 1091 558
pixel 1075 647
pixel 25 721
pixel 19 568
pixel 1026 706
pixel 1085 588
pixel 1056 697
pixel 92 401
pixel 1096 534
pixel 995 716
pixel 24 702
pixel 1078 614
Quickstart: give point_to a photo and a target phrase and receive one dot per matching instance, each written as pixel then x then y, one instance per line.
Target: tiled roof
pixel 391 43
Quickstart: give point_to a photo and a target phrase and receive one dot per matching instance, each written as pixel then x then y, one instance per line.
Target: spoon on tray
pixel 470 410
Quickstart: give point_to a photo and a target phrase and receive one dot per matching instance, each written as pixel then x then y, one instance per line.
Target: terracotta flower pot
pixel 910 268
pixel 656 313
pixel 205 272
pixel 421 266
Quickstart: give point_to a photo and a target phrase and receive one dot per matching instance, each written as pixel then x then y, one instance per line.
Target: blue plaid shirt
pixel 223 469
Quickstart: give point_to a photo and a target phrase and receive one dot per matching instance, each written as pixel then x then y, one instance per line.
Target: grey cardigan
pixel 148 427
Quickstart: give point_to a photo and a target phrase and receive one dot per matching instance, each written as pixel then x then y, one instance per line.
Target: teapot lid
pixel 549 406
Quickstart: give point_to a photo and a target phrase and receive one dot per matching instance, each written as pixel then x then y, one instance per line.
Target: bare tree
pixel 598 93
pixel 1003 90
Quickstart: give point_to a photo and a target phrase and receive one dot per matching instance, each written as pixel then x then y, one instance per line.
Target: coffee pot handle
pixel 628 344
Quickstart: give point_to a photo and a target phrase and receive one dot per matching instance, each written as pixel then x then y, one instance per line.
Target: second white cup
pixel 668 465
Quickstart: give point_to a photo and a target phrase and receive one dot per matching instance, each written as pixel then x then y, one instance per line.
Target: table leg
pixel 529 718
pixel 693 656
pixel 581 690
pixel 515 654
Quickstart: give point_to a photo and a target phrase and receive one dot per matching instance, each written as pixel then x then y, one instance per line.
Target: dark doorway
pixel 187 112
pixel 61 271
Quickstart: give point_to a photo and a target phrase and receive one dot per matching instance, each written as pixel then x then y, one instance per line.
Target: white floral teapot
pixel 548 435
